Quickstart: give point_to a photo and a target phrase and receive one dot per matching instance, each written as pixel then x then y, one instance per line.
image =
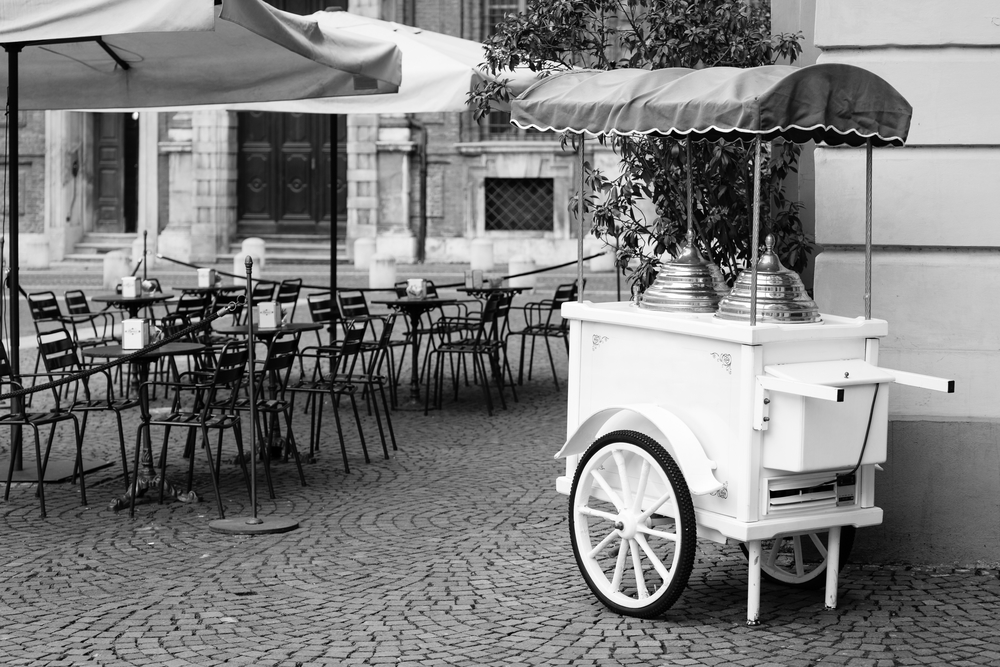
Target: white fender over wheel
pixel 632 524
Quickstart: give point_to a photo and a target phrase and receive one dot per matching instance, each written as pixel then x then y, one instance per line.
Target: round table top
pixel 115 298
pixel 486 291
pixel 408 302
pixel 220 289
pixel 288 327
pixel 115 351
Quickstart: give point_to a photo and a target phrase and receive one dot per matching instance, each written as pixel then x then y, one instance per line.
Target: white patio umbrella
pixel 104 54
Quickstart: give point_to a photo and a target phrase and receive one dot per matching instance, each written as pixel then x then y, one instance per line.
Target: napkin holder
pixel 267 314
pixel 131 286
pixel 206 278
pixel 135 333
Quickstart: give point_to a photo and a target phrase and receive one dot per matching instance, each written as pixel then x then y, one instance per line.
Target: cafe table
pixel 148 478
pixel 413 308
pixel 267 333
pixel 131 304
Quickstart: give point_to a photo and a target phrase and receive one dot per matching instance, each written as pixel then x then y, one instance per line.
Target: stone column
pixel 362 178
pixel 395 146
pixel 175 239
pixel 214 151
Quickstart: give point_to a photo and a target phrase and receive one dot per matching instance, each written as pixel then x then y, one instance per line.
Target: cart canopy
pixel 831 103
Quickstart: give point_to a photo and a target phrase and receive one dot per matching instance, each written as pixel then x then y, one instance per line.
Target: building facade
pixel 192 184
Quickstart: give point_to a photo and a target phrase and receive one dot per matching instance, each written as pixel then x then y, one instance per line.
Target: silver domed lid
pixel 781 296
pixel 688 284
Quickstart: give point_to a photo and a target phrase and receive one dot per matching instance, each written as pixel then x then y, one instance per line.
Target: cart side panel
pixel 692 377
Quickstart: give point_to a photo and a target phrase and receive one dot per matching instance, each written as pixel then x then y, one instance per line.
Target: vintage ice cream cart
pixel 700 411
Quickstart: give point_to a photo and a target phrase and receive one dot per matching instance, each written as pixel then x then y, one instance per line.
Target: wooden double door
pixel 288 178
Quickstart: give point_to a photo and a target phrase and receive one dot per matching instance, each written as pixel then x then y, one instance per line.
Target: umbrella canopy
pixel 831 103
pixel 439 71
pixel 245 51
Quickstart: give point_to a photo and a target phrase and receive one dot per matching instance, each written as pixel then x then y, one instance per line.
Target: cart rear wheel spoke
pixel 641 567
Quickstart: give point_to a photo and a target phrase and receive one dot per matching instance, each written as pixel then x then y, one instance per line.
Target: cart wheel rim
pixel 631 535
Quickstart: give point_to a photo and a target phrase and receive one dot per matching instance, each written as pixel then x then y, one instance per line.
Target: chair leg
pixel 40 470
pixel 340 434
pixel 121 444
pixel 141 431
pixel 478 363
pixel 388 417
pixel 361 433
pixel 241 456
pixel 78 432
pixel 263 445
pixel 211 467
pixel 378 418
pixel 290 440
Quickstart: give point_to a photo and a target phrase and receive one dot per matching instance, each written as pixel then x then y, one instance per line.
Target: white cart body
pixel 756 417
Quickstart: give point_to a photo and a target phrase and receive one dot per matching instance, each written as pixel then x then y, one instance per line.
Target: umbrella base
pixel 250 526
pixel 55 471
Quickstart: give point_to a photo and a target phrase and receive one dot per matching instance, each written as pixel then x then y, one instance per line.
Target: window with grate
pixel 519 204
pixel 496 126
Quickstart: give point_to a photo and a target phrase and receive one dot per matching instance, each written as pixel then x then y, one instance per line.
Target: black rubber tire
pixel 685 525
pixel 816 578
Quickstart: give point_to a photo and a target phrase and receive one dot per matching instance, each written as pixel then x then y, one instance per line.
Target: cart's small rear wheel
pixel 799 559
pixel 632 524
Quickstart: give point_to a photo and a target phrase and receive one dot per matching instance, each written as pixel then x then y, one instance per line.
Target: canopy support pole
pixel 582 217
pixel 755 241
pixel 13 158
pixel 690 190
pixel 868 230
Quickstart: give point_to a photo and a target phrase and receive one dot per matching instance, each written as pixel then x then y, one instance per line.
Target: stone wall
pixel 935 264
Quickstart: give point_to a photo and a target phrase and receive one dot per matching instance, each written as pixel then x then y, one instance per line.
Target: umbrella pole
pixel 579 245
pixel 868 230
pixel 13 158
pixel 14 304
pixel 756 232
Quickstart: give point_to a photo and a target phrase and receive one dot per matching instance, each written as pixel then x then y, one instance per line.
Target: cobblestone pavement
pixel 455 551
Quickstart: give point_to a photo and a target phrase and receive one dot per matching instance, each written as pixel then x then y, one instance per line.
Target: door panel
pixel 109 131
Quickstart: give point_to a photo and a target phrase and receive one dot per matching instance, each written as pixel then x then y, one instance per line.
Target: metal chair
pixel 34 420
pixel 101 323
pixel 212 407
pixel 321 309
pixel 58 352
pixel 481 344
pixel 542 319
pixel 322 383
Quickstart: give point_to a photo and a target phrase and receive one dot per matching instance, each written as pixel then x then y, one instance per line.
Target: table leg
pixel 148 478
pixel 414 402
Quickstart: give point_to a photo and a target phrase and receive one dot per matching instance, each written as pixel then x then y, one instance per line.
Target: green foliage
pixel 652 34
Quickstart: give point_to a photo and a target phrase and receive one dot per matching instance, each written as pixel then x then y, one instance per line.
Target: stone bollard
pixel 255 247
pixel 116 266
pixel 364 250
pixel 240 269
pixel 481 255
pixel 33 251
pixel 521 264
pixel 382 272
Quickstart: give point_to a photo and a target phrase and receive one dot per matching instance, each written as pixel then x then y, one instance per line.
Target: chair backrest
pixel 384 341
pixel 262 292
pixel 352 305
pixel 44 306
pixel 192 305
pixel 76 302
pixel 282 351
pixel 488 318
pixel 287 295
pixel 230 365
pixel 5 369
pixel 57 350
pixel 350 347
pixel 320 307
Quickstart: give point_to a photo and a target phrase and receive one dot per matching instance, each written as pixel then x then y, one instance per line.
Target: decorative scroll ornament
pixel 723 492
pixel 597 340
pixel 726 360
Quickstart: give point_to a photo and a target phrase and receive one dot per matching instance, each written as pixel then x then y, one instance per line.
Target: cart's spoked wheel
pixel 632 524
pixel 800 560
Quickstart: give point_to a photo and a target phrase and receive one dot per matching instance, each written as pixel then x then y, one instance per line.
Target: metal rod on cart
pixel 690 194
pixel 756 232
pixel 868 230
pixel 579 246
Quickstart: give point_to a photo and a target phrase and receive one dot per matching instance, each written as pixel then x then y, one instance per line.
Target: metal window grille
pixel 519 204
